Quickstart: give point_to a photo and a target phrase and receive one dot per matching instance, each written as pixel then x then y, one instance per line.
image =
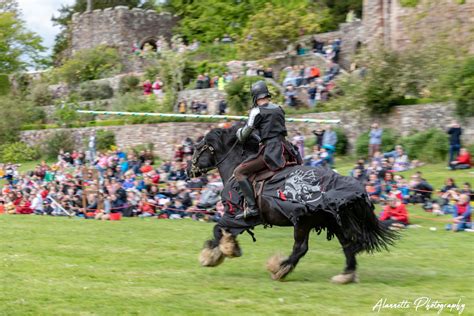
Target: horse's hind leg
pixel 349 274
pixel 280 267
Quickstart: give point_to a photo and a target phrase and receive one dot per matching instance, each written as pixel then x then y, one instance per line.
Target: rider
pixel 268 120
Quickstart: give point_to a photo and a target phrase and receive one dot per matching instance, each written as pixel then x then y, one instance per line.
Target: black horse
pixel 344 210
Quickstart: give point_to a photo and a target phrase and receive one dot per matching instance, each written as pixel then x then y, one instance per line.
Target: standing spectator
pixel 92 151
pixel 329 143
pixel 200 82
pixel 463 161
pixel 182 107
pixel 147 87
pixel 298 141
pixel 375 139
pixel 312 90
pixel 206 81
pixel 454 132
pixel 319 134
pixel 158 87
pixel 290 96
pixel 222 106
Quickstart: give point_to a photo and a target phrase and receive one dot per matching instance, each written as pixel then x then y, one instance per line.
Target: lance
pixel 217 117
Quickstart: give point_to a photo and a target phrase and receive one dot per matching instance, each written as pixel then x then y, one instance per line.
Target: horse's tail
pixel 362 228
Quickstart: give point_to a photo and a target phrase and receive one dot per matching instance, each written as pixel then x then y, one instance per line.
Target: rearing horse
pixel 350 217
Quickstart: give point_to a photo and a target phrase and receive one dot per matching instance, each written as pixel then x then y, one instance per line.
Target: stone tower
pixel 387 23
pixel 120 27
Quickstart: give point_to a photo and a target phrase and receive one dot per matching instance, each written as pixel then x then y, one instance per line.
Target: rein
pixel 195 169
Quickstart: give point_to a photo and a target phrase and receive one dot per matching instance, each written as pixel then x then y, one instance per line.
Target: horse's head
pixel 219 148
pixel 208 152
pixel 203 159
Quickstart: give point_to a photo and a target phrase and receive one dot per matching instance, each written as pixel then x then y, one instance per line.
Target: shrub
pixel 409 3
pixel 141 147
pixel 65 114
pixel 41 95
pixel 272 28
pixel 129 84
pixel 105 139
pixel 238 93
pixel 94 90
pixel 18 152
pixel 463 86
pixel 429 146
pixel 90 64
pixel 57 141
pixel 342 141
pixel 389 140
pixel 4 84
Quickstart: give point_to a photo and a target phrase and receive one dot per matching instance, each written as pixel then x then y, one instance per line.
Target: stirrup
pixel 248 212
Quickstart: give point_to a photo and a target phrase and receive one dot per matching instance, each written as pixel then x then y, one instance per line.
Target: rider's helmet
pixel 259 91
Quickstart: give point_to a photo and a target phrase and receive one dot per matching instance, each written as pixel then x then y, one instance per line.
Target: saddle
pixel 258 180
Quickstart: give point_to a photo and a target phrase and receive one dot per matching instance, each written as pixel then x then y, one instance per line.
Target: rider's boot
pixel 251 209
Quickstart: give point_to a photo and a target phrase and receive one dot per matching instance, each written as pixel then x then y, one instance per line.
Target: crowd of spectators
pixel 112 184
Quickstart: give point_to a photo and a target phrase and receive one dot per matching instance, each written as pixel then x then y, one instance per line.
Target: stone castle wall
pixel 403 119
pixel 119 27
pixel 387 22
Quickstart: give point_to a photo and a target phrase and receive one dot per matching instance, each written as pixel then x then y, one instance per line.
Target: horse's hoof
pixel 345 278
pixel 276 267
pixel 211 257
pixel 229 245
pixel 282 272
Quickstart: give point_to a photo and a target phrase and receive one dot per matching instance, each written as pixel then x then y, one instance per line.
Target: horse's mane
pixel 226 137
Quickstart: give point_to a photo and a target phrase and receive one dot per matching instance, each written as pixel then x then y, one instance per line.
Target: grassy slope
pixel 72 266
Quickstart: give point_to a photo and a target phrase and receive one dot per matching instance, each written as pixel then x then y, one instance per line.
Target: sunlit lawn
pixel 68 266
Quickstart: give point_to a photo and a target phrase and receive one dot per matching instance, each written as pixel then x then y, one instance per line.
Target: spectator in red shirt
pixel 147 87
pixel 394 214
pixel 463 161
pixel 462 215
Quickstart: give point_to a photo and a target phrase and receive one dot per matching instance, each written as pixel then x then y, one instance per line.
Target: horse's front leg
pixel 216 250
pixel 280 267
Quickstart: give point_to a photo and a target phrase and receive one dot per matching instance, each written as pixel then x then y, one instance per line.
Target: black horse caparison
pixel 220 149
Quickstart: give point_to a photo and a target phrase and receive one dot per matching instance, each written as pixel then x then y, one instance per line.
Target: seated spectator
pixel 463 161
pixel 403 188
pixel 359 175
pixel 360 165
pixel 292 75
pixel 374 188
pixel 466 189
pixel 401 162
pixel 461 215
pixel 268 73
pixel 422 190
pixel 389 183
pixel 394 215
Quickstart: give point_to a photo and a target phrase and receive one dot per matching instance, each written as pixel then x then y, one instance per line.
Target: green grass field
pixel 68 266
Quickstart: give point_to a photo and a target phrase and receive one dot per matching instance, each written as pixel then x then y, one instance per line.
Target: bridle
pixel 195 169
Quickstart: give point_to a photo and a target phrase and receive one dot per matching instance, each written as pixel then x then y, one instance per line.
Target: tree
pixel 19 47
pixel 273 28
